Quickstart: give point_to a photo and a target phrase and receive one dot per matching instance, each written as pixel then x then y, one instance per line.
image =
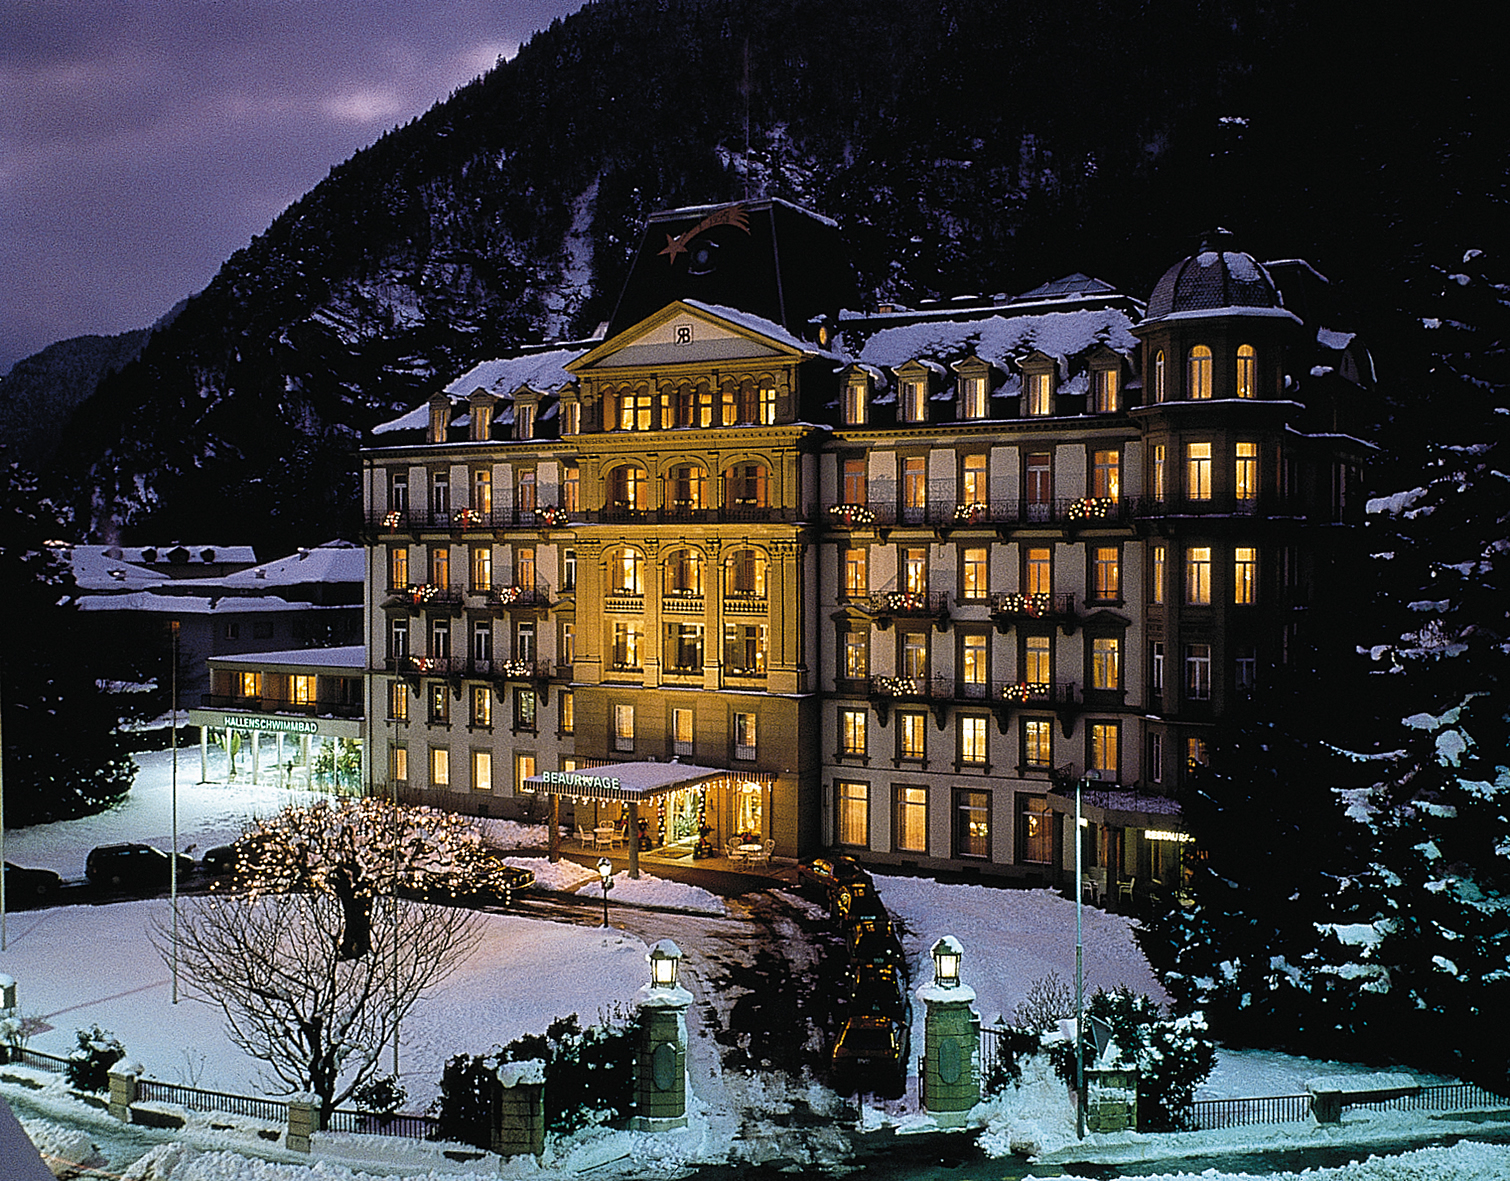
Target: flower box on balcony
pixel 554 517
pixel 467 518
pixel 968 514
pixel 1033 606
pixel 392 519
pixel 1091 508
pixel 850 515
pixel 1025 691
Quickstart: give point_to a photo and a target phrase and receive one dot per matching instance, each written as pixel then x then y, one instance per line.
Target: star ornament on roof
pixel 733 215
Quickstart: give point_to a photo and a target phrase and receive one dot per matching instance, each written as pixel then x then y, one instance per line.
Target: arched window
pixel 1159 389
pixel 627 489
pixel 684 572
pixel 1247 371
pixel 748 486
pixel 744 573
pixel 687 488
pixel 626 571
pixel 1198 379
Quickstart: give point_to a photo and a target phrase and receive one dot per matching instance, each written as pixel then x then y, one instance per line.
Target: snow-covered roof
pixel 195 604
pixel 334 561
pixel 500 377
pixel 112 567
pixel 759 324
pixel 623 781
pixel 94 569
pixel 351 658
pixel 999 339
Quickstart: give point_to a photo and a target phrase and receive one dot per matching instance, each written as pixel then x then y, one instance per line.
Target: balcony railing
pixel 1013 606
pixel 1081 510
pixel 275 705
pixel 744 604
pixel 683 514
pixel 462 519
pixel 907 603
pixel 682 602
pixel 426 594
pixel 1038 694
pixel 1180 506
pixel 514 595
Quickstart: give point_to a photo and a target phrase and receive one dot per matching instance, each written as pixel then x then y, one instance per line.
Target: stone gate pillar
pixel 951 1039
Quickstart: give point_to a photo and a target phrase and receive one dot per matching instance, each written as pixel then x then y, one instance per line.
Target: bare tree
pixel 311 949
pixel 316 1019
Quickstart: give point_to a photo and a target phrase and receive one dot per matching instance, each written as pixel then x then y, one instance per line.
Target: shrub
pixel 1012 1046
pixel 383 1095
pixel 1049 1000
pixel 1173 1055
pixel 89 1063
pixel 589 1078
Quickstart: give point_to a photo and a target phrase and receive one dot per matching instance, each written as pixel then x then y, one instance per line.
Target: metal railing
pixel 273 705
pixel 151 1090
pixel 1208 1114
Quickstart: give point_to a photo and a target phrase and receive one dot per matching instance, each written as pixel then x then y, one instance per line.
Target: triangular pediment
pixel 683 333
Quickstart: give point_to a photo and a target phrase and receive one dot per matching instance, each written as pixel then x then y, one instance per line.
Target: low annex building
pixel 905 576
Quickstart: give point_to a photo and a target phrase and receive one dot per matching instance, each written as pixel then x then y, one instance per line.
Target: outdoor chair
pixel 584 838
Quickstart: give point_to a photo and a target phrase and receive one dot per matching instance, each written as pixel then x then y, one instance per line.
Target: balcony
pixel 275 705
pixel 413 521
pixel 1063 697
pixel 420 595
pixel 1013 608
pixel 614 514
pixel 743 603
pixel 1147 508
pixel 408 665
pixel 888 605
pixel 624 602
pixel 516 597
pixel 682 602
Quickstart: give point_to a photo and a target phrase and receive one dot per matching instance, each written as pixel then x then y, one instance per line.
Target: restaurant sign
pixel 574 779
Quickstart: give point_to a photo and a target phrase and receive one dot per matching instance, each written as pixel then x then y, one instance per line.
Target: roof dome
pixel 1215 277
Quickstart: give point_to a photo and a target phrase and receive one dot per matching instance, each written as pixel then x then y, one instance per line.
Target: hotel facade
pixel 905 576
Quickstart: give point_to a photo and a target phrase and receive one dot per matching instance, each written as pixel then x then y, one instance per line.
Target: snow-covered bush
pixel 1048 1001
pixel 589 1078
pixel 90 1061
pixel 1012 1046
pixel 383 1095
pixel 1173 1055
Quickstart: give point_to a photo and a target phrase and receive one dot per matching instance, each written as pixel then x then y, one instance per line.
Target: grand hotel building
pixel 905 575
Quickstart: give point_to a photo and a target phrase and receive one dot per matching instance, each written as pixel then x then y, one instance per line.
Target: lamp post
pixel 605 879
pixel 665 964
pixel 951 1039
pixel 947 953
pixel 1079 978
pixel 661 1052
pixel 173 865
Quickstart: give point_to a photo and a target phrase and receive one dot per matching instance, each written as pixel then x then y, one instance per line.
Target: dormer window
pixel 1040 394
pixel 1247 371
pixel 440 416
pixel 1198 373
pixel 571 418
pixel 855 410
pixel 1104 385
pixel 481 404
pixel 914 400
pixel 973 400
pixel 524 420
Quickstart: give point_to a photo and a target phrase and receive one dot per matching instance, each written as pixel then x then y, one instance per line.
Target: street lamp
pixel 947 953
pixel 605 879
pixel 665 964
pixel 1079 976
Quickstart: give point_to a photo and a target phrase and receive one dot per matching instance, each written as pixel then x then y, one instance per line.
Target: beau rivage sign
pixel 574 779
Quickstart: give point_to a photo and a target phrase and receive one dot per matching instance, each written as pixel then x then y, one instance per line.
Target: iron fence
pixel 151 1090
pixel 36 1059
pixel 1208 1114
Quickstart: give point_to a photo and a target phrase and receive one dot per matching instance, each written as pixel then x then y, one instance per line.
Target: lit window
pixel 856 654
pixel 852 732
pixel 767 404
pixel 1106 571
pixel 1157 574
pixel 745 649
pixel 1198 574
pixel 684 572
pixel 972 740
pixel 853 813
pixel 482 770
pixel 1247 371
pixel 440 703
pixel 1159 388
pixel 1198 672
pixel 398 567
pixel 1037 660
pixel 1038 571
pixel 744 736
pixel 626 572
pixel 571 487
pixel 1199 373
pixel 912 735
pixel 398 701
pixel 482 706
pixel 682 740
pixel 628 639
pixel 524 769
pixel 525 706
pixel 746 570
pixel 623 727
pixel 568 644
pixel 1035 825
pixel 1245 575
pixel 1106 663
pixel 524 421
pixel 1104 391
pixel 482 491
pixel 915 655
pixel 973 486
pixel 440 767
pixel 914 401
pixel 1040 391
pixel 1198 471
pixel 634 409
pixel 568 712
pixel 684 647
pixel 972 822
pixel 571 418
pixel 856 402
pixel 627 489
pixel 482 568
pixel 914 487
pixel 1102 756
pixel 1195 752
pixel 1156 668
pixel 912 820
pixel 748 486
pixel 974 666
pixel 915 571
pixel 1245 472
pixel 974 567
pixel 1038 742
pixel 1159 481
pixel 1106 481
pixel 440 567
pixel 973 402
pixel 856 580
pixel 400 764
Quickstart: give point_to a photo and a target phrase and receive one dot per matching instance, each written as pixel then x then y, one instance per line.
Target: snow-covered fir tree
pixel 1439 817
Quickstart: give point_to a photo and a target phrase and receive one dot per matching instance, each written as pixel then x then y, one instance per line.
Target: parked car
pixel 494 883
pixel 857 898
pixel 822 877
pixel 877 948
pixel 219 860
pixel 879 990
pixel 871 1055
pixel 133 865
pixel 868 919
pixel 22 884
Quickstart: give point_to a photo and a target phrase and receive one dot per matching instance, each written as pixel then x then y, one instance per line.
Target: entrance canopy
pixel 625 782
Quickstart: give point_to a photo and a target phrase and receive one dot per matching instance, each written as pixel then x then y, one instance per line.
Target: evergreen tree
pixel 1439 814
pixel 65 755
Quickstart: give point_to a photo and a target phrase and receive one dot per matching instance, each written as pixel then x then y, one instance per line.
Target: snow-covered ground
pixel 80 965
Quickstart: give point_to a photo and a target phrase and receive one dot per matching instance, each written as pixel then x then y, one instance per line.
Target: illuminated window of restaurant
pixel 304 690
pixel 250 684
pixel 682 740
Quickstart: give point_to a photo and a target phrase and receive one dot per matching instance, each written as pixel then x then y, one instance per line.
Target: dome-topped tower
pixel 1216 277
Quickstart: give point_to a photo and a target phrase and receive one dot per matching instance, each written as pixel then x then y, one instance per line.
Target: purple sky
pixel 142 142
